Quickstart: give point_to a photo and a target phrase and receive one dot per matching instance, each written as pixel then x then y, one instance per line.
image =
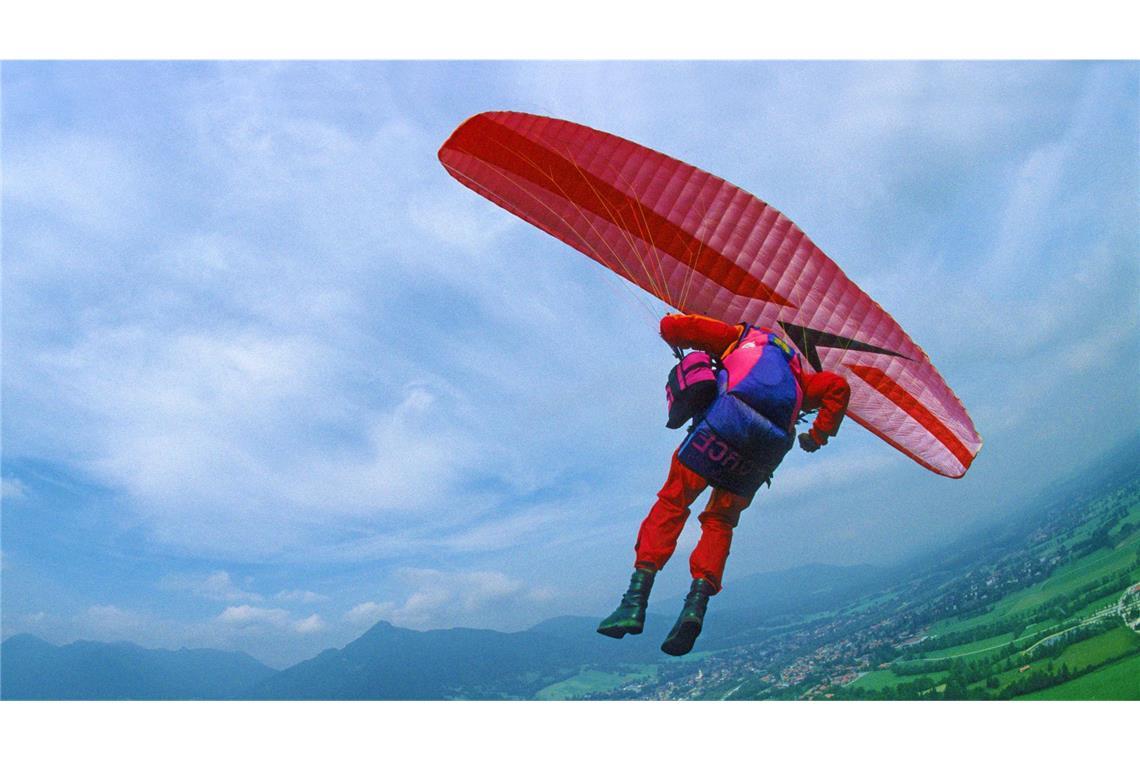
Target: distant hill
pixel 772 598
pixel 396 663
pixel 581 633
pixel 801 590
pixel 31 668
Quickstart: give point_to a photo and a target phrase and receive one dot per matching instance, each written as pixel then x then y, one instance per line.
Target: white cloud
pixel 86 181
pixel 410 459
pixel 300 596
pixel 480 530
pixel 110 621
pixel 249 618
pixel 459 220
pixel 586 92
pixel 192 427
pixel 218 586
pixel 815 476
pixel 438 598
pixel 1031 205
pixel 12 489
pixel 367 613
pixel 512 530
pixel 220 384
pixel 246 615
pixel 250 398
pixel 311 624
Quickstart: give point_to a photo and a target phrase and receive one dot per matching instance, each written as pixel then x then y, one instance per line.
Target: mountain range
pixel 1049 584
pixel 31 668
pixel 388 662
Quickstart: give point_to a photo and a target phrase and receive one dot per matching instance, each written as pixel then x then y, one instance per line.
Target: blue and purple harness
pixel 747 430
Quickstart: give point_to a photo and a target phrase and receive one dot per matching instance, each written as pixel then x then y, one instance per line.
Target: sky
pixel 270 375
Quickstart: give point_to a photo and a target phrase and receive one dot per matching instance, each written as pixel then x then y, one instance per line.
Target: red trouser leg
pixel 717 521
pixel 659 531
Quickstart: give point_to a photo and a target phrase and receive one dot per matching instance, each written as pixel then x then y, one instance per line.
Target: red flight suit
pixel 657 538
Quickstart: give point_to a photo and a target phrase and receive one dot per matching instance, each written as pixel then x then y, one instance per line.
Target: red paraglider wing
pixel 707 247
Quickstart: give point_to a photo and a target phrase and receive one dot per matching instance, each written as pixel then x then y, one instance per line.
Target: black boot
pixel 688 626
pixel 629 617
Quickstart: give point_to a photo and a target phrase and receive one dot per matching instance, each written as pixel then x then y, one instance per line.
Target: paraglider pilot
pixel 735 444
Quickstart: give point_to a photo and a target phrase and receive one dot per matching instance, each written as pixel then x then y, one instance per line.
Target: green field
pixel 1120 680
pixel 1108 646
pixel 1007 677
pixel 1067 579
pixel 1109 599
pixel 593 681
pixel 1115 653
pixel 885 679
pixel 1072 577
pixel 1105 503
pixel 983 646
pixel 883 597
pixel 1076 600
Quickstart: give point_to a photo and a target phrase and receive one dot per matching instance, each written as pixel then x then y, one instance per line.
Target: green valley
pixel 1044 608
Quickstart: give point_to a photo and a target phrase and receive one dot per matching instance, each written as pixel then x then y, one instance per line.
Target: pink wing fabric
pixel 707 247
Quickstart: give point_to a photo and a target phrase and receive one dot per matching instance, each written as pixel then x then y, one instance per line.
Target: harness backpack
pixel 691 387
pixel 750 427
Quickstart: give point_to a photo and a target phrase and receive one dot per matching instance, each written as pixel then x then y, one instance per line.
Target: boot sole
pixel 617 632
pixel 682 642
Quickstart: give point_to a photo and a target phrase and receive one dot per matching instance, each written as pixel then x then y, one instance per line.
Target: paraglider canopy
pixel 705 246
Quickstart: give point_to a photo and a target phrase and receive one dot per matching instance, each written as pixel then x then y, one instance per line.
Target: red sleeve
pixel 701 333
pixel 829 393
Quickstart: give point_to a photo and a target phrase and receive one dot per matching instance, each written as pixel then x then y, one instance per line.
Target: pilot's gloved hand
pixel 809 443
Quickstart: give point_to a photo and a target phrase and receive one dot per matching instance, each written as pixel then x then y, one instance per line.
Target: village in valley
pixel 1042 610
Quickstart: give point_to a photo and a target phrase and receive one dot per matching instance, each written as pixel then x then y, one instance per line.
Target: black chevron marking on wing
pixel 808 340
